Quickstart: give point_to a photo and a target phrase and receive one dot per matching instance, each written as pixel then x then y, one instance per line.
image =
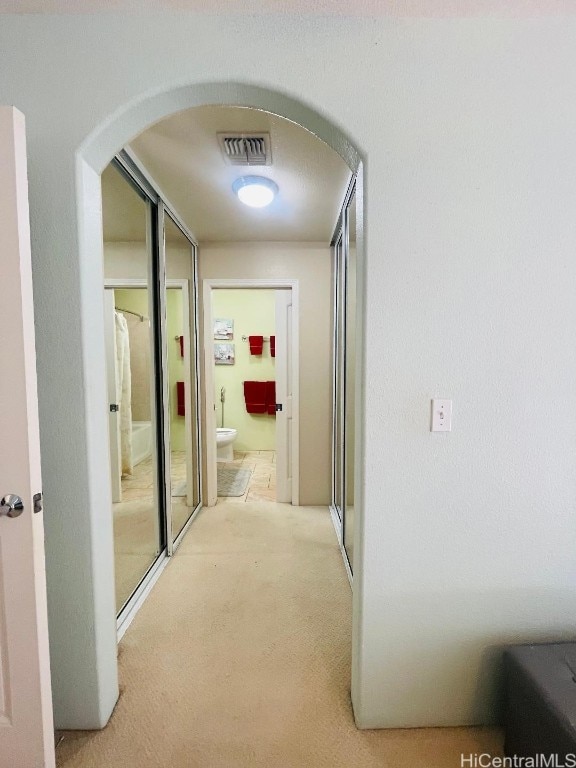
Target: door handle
pixel 11 505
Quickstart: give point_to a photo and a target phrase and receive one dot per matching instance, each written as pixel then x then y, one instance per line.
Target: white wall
pixel 467 128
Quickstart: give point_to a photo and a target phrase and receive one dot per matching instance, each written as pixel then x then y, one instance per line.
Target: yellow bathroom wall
pixel 253 313
pixel 174 328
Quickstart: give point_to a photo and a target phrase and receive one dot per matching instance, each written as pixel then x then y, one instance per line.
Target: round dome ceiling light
pixel 255 191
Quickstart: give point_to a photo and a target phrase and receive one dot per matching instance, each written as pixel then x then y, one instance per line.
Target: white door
pixel 284 395
pixel 26 728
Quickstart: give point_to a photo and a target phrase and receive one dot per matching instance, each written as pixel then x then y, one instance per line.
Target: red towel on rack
pixel 180 399
pixel 273 346
pixel 255 396
pixel 181 340
pixel 256 344
pixel 271 397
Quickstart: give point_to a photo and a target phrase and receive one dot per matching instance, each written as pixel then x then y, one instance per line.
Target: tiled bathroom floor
pixel 140 485
pixel 262 485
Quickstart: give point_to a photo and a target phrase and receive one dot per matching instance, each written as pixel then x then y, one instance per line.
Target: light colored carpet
pixel 233 481
pixel 240 658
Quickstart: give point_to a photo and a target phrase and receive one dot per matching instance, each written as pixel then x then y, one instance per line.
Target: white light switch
pixel 441 416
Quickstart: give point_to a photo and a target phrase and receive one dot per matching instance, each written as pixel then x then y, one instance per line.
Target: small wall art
pixel 223 328
pixel 224 354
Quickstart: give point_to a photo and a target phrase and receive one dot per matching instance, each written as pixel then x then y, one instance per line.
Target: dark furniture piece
pixel 541 700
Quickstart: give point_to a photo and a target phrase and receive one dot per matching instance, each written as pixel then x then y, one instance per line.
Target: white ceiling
pixel 183 155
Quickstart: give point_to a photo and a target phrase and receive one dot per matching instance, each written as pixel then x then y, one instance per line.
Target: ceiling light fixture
pixel 255 191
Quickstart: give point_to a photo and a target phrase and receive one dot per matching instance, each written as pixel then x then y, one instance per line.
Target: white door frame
pixel 26 720
pixel 208 285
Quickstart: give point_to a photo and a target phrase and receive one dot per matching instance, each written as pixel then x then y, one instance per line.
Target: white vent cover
pixel 246 148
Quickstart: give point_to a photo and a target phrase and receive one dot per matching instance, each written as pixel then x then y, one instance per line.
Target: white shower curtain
pixel 124 391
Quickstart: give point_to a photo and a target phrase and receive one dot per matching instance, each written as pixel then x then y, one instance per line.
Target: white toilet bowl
pixel 224 439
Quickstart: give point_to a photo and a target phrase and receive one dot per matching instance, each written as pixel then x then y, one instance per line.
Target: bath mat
pixel 180 489
pixel 232 481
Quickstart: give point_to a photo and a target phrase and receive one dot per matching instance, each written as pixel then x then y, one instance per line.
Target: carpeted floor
pixel 240 658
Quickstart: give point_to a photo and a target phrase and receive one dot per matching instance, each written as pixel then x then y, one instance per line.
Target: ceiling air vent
pixel 246 148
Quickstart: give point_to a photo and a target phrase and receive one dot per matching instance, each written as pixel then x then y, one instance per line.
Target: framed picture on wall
pixel 224 354
pixel 223 328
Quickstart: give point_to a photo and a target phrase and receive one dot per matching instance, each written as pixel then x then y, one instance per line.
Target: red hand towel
pixel 255 396
pixel 180 399
pixel 273 346
pixel 256 344
pixel 271 397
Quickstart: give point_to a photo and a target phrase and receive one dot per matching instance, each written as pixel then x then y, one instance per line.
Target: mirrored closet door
pixel 344 361
pixel 338 394
pixel 183 375
pixel 152 375
pixel 349 377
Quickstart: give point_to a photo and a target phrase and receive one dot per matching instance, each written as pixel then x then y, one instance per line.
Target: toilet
pixel 224 439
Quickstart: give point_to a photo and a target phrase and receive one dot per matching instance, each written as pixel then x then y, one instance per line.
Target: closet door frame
pixel 337 381
pixel 127 164
pixel 132 168
pixel 339 245
pixel 141 185
pixel 190 299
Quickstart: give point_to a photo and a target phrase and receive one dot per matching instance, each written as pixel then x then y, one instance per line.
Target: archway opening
pixel 92 157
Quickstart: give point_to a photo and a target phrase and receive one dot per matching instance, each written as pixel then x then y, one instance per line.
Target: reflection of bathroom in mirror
pixel 132 394
pixel 181 343
pixel 154 453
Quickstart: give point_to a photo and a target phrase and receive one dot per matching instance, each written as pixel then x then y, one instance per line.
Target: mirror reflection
pixel 132 392
pixel 350 369
pixel 182 375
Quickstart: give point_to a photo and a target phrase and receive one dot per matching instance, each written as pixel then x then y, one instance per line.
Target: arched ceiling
pixel 183 155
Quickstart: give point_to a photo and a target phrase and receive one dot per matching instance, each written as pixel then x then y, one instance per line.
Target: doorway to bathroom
pixel 251 389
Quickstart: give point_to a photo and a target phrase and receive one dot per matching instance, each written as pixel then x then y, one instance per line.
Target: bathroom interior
pixel 244 363
pixel 171 220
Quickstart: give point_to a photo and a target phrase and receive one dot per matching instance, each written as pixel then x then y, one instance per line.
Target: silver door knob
pixel 11 505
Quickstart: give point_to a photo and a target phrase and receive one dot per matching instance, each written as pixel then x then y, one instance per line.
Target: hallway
pixel 240 658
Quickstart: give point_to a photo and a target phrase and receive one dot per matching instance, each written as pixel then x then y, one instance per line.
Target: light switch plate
pixel 441 416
